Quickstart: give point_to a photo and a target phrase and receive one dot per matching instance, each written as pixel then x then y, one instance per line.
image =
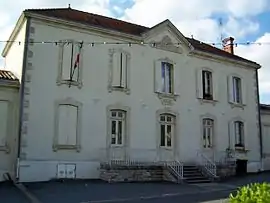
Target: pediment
pixel 167 37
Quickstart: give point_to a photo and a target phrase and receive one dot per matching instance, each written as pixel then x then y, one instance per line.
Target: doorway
pixel 241 167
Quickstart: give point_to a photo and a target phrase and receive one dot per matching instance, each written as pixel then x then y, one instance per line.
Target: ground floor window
pixel 208 133
pixel 117 127
pixel 167 127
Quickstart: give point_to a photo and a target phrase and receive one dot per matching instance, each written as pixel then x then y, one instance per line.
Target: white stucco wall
pixel 37 152
pixel 265 119
pixel 9 135
pixel 14 57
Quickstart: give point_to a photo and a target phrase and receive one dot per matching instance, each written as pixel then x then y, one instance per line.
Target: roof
pixel 124 27
pixel 265 107
pixel 6 75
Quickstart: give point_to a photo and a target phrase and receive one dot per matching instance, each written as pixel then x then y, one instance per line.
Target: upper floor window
pixel 164 77
pixel 167 127
pixel 208 132
pixel 70 63
pixel 239 134
pixel 207 85
pixel 237 90
pixel 119 70
pixel 117 127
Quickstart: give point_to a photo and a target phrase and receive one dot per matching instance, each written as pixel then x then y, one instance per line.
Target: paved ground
pixel 100 192
pixel 10 194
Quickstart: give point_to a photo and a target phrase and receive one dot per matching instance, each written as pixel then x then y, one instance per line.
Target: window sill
pixel 119 89
pixel 206 101
pixel 5 149
pixel 167 99
pixel 166 148
pixel 116 146
pixel 237 105
pixel 67 147
pixel 71 83
pixel 241 149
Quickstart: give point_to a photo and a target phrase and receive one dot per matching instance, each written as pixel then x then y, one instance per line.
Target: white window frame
pixel 72 102
pixel 237 92
pixel 167 123
pixel 126 69
pixel 239 134
pixel 60 80
pixel 208 127
pixel 207 84
pixel 118 119
pixel 125 137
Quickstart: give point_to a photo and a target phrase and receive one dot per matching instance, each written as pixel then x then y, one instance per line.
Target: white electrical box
pixel 66 171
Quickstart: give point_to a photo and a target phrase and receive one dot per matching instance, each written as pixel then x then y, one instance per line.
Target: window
pixel 164 77
pixel 117 127
pixel 167 125
pixel 70 62
pixel 239 133
pixel 207 85
pixel 208 133
pixel 67 125
pixel 237 90
pixel 119 70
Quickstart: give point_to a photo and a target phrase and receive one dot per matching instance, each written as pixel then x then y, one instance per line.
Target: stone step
pixel 197 181
pixel 192 174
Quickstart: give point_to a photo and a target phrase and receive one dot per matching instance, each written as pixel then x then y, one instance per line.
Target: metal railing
pixel 208 165
pixel 177 168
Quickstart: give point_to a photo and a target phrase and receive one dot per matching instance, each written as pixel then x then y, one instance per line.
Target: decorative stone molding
pixel 111 88
pixel 73 102
pixel 167 44
pixel 59 79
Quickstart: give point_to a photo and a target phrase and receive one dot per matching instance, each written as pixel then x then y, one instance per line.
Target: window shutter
pixel 116 69
pixel 66 63
pixel 176 80
pixel 215 86
pixel 245 135
pixel 230 88
pixel 199 84
pixel 72 124
pixel 62 125
pixel 123 73
pixel 244 91
pixel 158 77
pixel 231 129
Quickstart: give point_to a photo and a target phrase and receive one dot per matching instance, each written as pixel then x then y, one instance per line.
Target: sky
pixel 245 20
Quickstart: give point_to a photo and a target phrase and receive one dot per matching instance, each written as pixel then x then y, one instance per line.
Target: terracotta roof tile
pixel 122 26
pixel 7 75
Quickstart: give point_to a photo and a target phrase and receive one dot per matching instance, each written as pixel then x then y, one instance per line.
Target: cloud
pixel 260 54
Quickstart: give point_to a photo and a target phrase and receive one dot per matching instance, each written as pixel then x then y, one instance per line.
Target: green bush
pixel 252 193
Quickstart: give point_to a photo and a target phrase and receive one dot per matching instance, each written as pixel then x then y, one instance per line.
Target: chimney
pixel 228 45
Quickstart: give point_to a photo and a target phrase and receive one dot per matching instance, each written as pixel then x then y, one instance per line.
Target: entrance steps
pixel 193 175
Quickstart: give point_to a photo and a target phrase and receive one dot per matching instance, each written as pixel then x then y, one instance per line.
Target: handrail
pixel 177 168
pixel 208 165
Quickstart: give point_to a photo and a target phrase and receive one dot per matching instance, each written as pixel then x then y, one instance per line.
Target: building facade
pixel 102 89
pixel 265 119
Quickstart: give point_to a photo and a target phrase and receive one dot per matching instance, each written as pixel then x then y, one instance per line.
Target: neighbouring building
pixel 265 120
pixel 96 90
pixel 9 98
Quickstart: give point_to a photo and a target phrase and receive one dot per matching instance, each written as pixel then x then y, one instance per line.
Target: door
pixel 208 145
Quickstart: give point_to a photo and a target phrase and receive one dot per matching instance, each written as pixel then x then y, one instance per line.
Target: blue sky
pixel 242 19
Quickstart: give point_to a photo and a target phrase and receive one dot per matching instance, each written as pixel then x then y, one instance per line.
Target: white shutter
pixel 244 91
pixel 76 51
pixel 246 137
pixel 116 70
pixel 124 70
pixel 199 84
pixel 66 62
pixel 215 86
pixel 158 77
pixel 176 80
pixel 62 125
pixel 3 122
pixel 231 129
pixel 72 124
pixel 230 88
